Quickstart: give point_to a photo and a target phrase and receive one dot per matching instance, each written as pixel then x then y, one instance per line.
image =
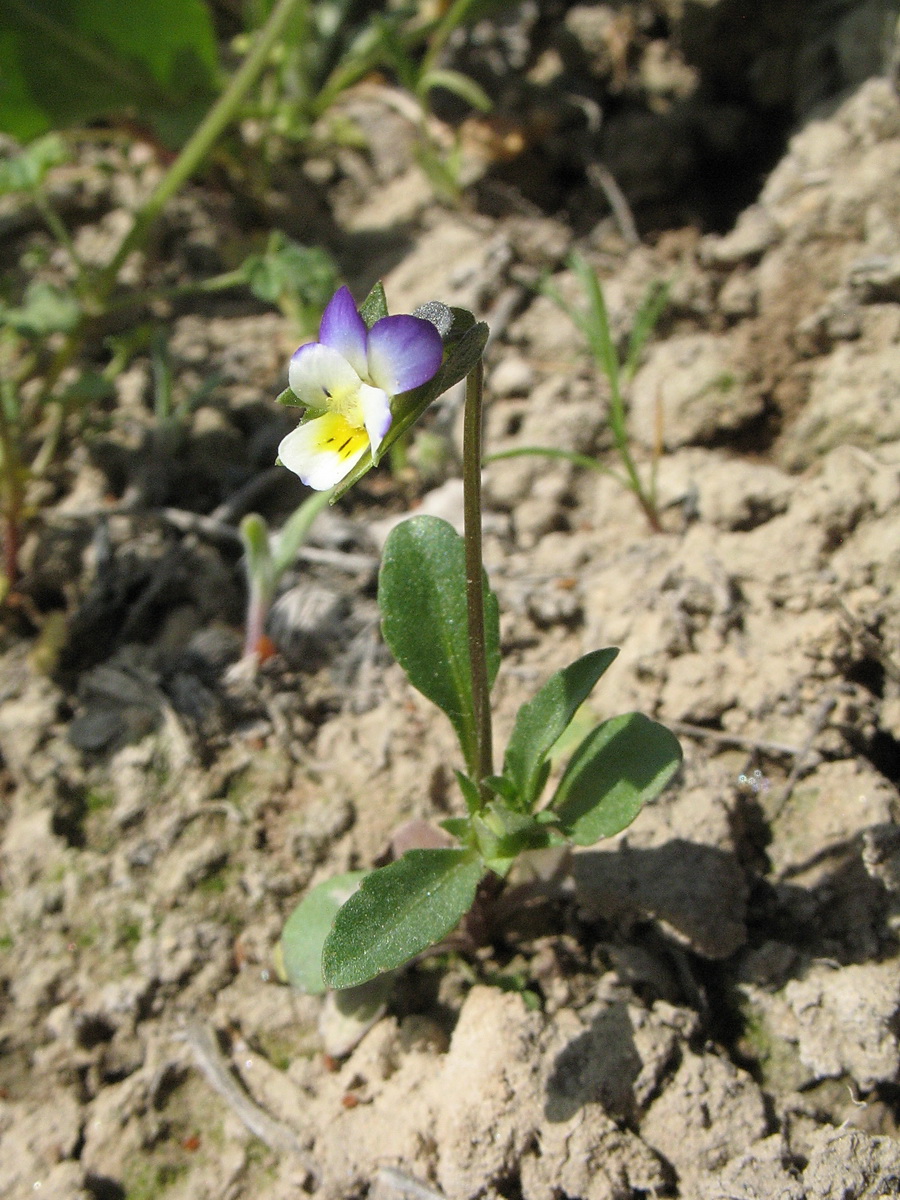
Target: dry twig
pixel 215 1067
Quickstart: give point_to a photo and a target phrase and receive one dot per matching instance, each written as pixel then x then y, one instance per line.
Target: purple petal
pixel 344 329
pixel 321 377
pixel 404 352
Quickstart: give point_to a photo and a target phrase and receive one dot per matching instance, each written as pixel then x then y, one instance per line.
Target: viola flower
pixel 348 378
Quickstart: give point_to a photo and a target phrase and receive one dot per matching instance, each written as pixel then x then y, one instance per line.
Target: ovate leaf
pixel 399 911
pixel 619 767
pixel 422 597
pixel 24 170
pixel 541 721
pixel 45 309
pixel 307 927
pixel 289 270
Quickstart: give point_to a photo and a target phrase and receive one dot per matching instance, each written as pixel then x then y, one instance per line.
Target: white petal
pixel 376 407
pixel 322 378
pixel 323 451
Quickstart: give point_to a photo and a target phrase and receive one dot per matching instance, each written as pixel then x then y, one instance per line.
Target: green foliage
pixel 333 44
pixel 426 593
pixel 265 562
pixel 425 623
pixel 541 722
pixel 300 280
pixel 25 171
pixel 170 408
pixel 45 309
pixel 307 927
pixel 593 322
pixel 65 62
pixel 399 911
pixel 624 763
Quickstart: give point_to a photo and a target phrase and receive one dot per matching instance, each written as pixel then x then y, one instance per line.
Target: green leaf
pixel 254 534
pixel 374 307
pixel 65 62
pixel 422 597
pixel 625 762
pixel 457 83
pixel 90 387
pixel 503 787
pixel 288 270
pixel 306 928
pixel 46 309
pixel 596 323
pixel 464 344
pixel 25 170
pixel 503 835
pixel 399 911
pixel 645 321
pixel 458 827
pixel 543 720
pixel 295 531
pixel 469 789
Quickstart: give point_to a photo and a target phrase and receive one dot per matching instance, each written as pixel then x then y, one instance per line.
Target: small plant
pixel 439 154
pixel 164 36
pixel 334 44
pixel 593 322
pixel 441 621
pixel 265 561
pixel 159 72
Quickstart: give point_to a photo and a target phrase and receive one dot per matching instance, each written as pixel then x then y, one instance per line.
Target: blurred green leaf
pixel 286 270
pixel 25 170
pixel 45 309
pixel 645 321
pixel 90 387
pixel 65 62
pixel 460 85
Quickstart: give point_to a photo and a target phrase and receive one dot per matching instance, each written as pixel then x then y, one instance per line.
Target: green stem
pixel 472 454
pixel 59 231
pixel 11 491
pixel 202 140
pixel 201 287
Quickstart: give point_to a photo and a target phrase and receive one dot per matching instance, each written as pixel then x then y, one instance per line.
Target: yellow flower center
pixel 338 435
